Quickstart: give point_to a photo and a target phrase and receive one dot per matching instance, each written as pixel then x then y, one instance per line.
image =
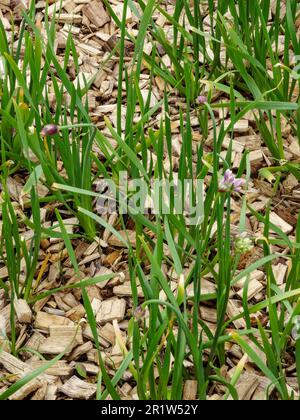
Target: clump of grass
pixel 26 110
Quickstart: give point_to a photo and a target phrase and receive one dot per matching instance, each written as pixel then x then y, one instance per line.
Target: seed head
pixel 243 243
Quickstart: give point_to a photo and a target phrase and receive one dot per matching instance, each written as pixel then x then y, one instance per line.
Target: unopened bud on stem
pixel 50 130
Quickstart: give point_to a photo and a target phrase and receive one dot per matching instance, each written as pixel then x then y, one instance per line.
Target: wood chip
pixel 12 364
pixel 2 299
pixel 110 310
pixel 280 271
pixel 118 9
pixel 126 290
pixel 79 351
pixel 51 392
pixel 61 368
pixel 44 321
pixel 77 389
pixel 190 390
pixel 40 394
pixel 256 157
pixel 246 386
pixel 34 342
pixel 255 275
pixel 254 288
pixel 208 314
pixel 96 13
pixel 23 311
pixel 232 311
pixel 5 320
pixel 68 18
pixel 241 126
pixel 26 390
pixel 126 235
pixel 280 223
pixel 62 338
pixel 91 368
pixel 207 288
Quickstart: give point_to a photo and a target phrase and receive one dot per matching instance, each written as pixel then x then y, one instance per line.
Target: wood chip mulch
pixel 59 321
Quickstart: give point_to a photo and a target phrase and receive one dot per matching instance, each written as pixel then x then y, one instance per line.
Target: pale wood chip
pixel 5 320
pixel 61 368
pixel 103 272
pixel 83 79
pixel 294 147
pixel 26 390
pixel 242 126
pixel 290 182
pixel 76 314
pixel 232 311
pixel 126 390
pixel 190 390
pixel 280 223
pixel 246 386
pixel 255 275
pixel 79 351
pixel 44 321
pixel 91 368
pixel 252 142
pixel 254 288
pixel 14 188
pixel 2 299
pixel 91 248
pixel 68 18
pixel 68 224
pixel 40 394
pixel 207 288
pixel 34 342
pixel 236 145
pixel 107 332
pixel 12 364
pixel 51 392
pixel 62 338
pixel 208 314
pixel 96 13
pixel 110 310
pixel 263 390
pixel 256 157
pixel 280 271
pixel 106 335
pixel 126 290
pixel 118 9
pixel 23 311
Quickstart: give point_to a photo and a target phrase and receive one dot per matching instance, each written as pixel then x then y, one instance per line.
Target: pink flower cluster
pixel 230 183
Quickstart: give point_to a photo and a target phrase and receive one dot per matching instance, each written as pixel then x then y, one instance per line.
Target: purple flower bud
pixel 49 130
pixel 139 313
pixel 202 100
pixel 238 184
pixel 230 183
